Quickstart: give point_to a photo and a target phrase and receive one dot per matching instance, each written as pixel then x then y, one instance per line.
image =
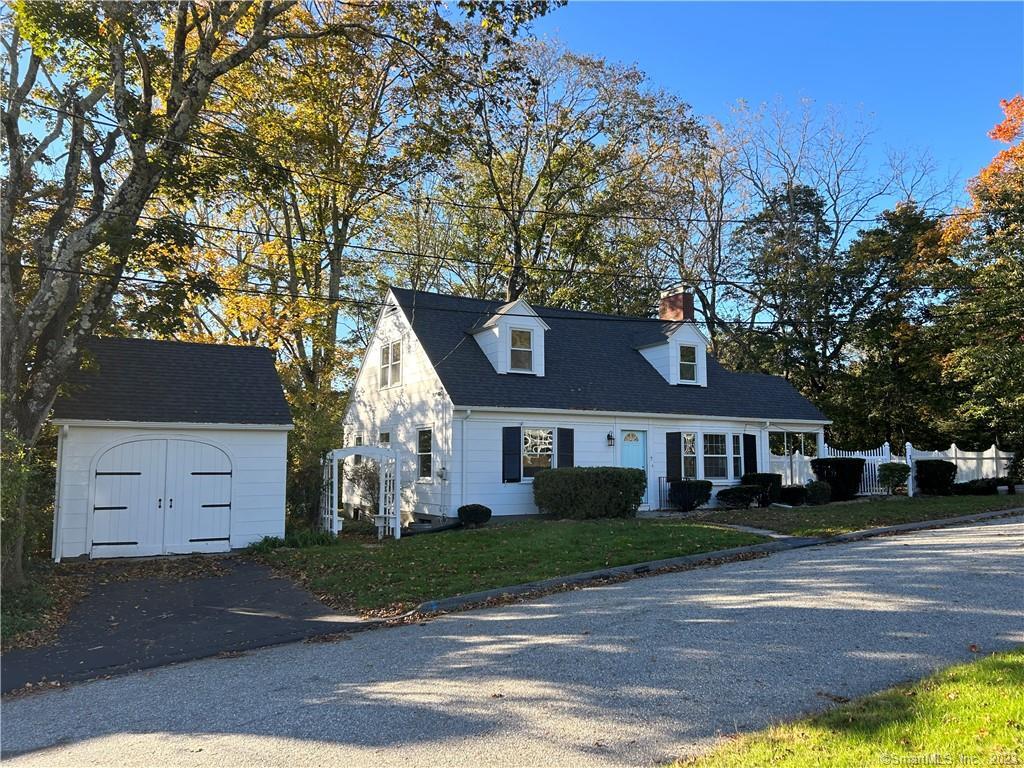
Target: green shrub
pixel 818 492
pixel 982 487
pixel 794 495
pixel 1015 469
pixel 589 492
pixel 934 477
pixel 842 474
pixel 739 496
pixel 893 474
pixel 687 495
pixel 296 538
pixel 770 482
pixel 474 514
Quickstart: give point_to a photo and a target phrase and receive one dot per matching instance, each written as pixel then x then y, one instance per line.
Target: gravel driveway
pixel 626 674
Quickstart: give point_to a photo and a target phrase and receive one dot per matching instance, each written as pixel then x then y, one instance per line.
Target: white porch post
pixel 819 439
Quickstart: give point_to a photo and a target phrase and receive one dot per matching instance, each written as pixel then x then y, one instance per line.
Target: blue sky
pixel 930 74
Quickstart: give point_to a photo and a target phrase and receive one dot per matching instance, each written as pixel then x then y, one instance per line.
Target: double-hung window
pixel 390 364
pixel 538 450
pixel 522 350
pixel 424 454
pixel 737 456
pixel 716 461
pixel 384 440
pixel 358 459
pixel 687 363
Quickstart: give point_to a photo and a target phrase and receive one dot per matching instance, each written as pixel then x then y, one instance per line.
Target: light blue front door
pixel 634 452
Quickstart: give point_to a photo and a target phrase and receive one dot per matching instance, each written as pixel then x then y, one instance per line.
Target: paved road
pixel 627 674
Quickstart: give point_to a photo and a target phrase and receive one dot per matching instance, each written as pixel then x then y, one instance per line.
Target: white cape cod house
pixel 480 396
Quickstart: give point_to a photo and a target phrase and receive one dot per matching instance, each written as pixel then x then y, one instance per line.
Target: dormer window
pixel 390 364
pixel 687 364
pixel 522 350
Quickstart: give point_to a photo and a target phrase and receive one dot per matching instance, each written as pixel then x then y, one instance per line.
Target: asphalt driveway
pixel 624 674
pixel 124 626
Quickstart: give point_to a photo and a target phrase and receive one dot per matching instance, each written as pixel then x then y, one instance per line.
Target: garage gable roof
pixel 173 381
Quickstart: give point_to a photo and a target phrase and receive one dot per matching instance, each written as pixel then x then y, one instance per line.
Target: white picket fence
pixel 796 468
pixel 970 465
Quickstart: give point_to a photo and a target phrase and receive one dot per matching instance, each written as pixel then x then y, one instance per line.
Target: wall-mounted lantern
pixel 611 439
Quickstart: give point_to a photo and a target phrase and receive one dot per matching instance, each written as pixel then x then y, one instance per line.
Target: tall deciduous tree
pixel 983 317
pixel 123 88
pixel 562 144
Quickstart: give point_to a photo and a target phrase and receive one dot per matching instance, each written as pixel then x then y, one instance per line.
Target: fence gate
pixel 796 468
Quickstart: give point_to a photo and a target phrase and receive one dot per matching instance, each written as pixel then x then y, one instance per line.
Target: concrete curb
pixel 637 570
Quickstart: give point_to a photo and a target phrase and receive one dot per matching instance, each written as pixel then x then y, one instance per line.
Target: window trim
pixel 523 477
pixel 420 478
pixel 705 455
pixel 695 364
pixel 393 381
pixel 512 348
pixel 736 456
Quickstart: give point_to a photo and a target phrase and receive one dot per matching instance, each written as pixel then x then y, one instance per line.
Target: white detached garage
pixel 169 447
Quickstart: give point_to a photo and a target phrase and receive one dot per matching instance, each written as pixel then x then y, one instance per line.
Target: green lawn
pixel 971 714
pixel 359 573
pixel 833 519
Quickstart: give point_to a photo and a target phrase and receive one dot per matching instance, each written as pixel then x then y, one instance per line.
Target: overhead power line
pixel 552 313
pixel 677 220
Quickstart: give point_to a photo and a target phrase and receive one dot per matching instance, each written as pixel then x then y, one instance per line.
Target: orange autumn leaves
pixel 1002 180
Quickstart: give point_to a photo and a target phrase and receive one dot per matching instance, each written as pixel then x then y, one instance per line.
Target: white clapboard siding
pixel 255 489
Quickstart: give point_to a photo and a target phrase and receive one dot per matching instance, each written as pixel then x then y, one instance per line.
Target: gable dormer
pixel 679 350
pixel 513 339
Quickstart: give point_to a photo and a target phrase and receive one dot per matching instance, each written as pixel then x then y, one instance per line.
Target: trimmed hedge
pixel 474 514
pixel 770 482
pixel 739 496
pixel 982 487
pixel 687 495
pixel 934 477
pixel 893 474
pixel 794 495
pixel 589 492
pixel 842 474
pixel 819 492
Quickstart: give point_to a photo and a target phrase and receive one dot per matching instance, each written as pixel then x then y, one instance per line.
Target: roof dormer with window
pixel 513 339
pixel 679 351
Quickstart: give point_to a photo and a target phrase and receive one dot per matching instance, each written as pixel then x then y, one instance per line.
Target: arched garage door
pixel 153 497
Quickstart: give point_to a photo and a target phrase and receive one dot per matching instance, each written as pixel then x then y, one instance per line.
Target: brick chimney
pixel 676 305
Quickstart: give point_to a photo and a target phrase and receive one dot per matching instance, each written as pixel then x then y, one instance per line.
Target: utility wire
pixel 560 314
pixel 471 206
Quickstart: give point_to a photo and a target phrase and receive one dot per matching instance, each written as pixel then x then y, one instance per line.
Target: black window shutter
pixel 566 447
pixel 750 453
pixel 674 455
pixel 511 455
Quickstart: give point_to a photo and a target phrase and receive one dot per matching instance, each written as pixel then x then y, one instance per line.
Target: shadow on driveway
pixel 124 626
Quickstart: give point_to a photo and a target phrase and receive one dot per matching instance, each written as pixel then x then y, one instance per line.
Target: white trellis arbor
pixel 389 501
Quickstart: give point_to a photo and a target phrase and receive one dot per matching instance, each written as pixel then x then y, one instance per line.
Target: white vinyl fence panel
pixel 796 468
pixel 970 465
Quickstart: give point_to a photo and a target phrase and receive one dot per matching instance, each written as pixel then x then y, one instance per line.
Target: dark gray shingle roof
pixel 589 366
pixel 173 381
